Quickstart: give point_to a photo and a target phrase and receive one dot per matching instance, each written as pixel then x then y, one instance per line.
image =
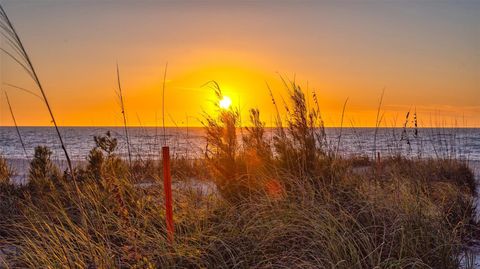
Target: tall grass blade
pixel 163 106
pixel 122 107
pixel 24 90
pixel 377 124
pixel 341 126
pixel 16 126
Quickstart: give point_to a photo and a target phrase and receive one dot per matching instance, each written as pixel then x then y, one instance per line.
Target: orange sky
pixel 425 54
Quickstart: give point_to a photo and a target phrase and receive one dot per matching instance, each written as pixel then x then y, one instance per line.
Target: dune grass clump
pixel 303 149
pixel 222 149
pixel 409 208
pixel 256 152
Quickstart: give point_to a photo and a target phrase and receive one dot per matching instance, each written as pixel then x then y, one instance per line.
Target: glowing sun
pixel 225 102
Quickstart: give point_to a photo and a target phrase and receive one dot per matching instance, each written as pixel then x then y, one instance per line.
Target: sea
pixel 146 142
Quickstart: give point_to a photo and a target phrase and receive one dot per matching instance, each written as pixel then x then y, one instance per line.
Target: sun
pixel 225 103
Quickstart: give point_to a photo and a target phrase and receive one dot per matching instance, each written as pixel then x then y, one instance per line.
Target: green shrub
pixel 102 162
pixel 43 173
pixel 5 172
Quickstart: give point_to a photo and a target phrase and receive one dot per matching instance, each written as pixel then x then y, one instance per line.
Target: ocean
pixel 460 143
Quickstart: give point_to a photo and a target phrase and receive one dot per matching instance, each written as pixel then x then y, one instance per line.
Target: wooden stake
pixel 167 186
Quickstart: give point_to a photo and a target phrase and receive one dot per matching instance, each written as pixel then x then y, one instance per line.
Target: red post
pixel 167 186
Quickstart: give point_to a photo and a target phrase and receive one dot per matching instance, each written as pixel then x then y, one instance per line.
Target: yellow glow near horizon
pixel 225 103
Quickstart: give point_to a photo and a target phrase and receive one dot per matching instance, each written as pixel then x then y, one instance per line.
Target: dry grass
pixel 404 220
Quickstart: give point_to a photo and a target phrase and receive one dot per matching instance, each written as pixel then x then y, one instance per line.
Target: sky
pixel 424 55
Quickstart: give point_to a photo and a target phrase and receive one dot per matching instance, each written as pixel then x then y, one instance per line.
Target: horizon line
pixel 201 126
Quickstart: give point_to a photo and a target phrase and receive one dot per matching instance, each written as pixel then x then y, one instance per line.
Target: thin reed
pixel 124 116
pixel 16 126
